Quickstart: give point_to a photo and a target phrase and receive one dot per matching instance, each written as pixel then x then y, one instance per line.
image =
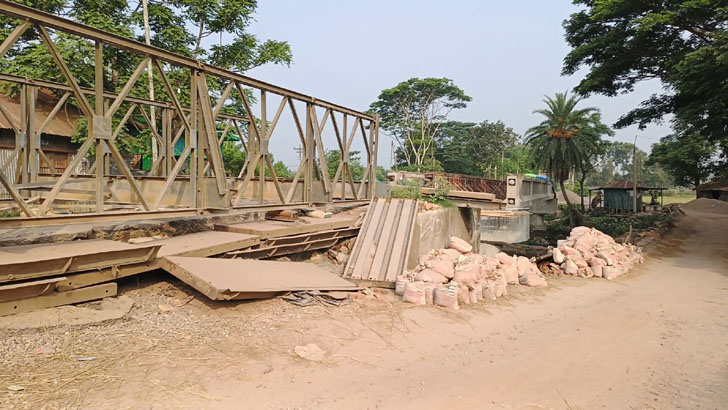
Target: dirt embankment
pixel 707 205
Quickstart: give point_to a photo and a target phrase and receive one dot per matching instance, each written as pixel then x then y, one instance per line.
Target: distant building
pixel 618 196
pixel 55 140
pixel 717 189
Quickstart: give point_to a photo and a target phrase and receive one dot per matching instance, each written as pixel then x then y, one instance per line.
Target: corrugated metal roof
pixel 621 184
pixel 717 185
pixel 63 124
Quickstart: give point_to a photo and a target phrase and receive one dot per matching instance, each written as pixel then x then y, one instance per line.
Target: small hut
pixel 717 189
pixel 618 196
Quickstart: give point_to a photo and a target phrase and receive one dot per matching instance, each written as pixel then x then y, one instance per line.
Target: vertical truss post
pixel 22 137
pixel 33 144
pixel 191 142
pixel 168 147
pixel 261 141
pixel 374 137
pixel 308 173
pixel 99 106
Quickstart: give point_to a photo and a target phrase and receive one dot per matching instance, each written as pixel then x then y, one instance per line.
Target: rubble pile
pixel 453 276
pixel 588 252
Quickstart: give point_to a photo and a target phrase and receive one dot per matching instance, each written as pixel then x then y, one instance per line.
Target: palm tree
pixel 564 141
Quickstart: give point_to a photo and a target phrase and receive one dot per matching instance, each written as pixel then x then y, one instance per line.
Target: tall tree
pixel 474 149
pixel 689 159
pixel 413 112
pixel 565 139
pixel 682 43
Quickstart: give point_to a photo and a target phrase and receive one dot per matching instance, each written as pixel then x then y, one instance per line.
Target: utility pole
pixel 299 151
pixel 150 74
pixel 634 175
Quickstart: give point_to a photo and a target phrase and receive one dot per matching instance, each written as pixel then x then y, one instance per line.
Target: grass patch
pixel 677 199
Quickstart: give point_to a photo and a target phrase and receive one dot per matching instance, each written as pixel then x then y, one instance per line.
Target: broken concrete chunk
pixel 310 352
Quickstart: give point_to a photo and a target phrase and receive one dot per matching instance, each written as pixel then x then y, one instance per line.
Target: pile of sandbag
pixel 588 252
pixel 453 276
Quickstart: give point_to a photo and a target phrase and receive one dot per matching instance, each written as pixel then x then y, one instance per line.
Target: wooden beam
pixel 53 113
pixel 127 87
pixel 211 135
pixel 58 299
pixel 15 195
pixel 170 92
pixel 13 37
pixel 43 209
pixel 80 98
pixel 127 173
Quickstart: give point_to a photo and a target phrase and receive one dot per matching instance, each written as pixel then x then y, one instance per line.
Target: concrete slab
pixel 273 229
pixel 230 279
pixel 42 260
pixel 200 244
pixel 204 243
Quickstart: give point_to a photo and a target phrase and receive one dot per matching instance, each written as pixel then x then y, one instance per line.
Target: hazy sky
pixel 506 55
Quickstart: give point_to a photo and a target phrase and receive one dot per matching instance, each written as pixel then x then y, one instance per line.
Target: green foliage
pixel 567 139
pixel 282 171
pixel 518 160
pixel 413 112
pixel 474 149
pixel 381 174
pixel 412 189
pixel 333 158
pixel 690 159
pixel 616 226
pixel 179 26
pixel 682 43
pixel 233 157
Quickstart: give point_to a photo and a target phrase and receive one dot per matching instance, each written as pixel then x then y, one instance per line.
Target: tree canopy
pixel 180 26
pixel 474 149
pixel 567 137
pixel 412 113
pixel 682 43
pixel 689 159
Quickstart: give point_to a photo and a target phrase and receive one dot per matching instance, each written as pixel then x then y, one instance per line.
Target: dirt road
pixel 655 338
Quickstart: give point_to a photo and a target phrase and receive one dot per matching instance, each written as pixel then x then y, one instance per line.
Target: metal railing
pixel 197 124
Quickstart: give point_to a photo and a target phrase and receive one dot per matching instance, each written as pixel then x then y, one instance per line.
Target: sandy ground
pixel 655 338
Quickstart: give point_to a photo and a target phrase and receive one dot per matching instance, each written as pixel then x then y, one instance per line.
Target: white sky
pixel 505 55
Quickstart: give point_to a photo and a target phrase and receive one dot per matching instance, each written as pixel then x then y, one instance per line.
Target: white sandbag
pixel 569 267
pixel 430 293
pixel 523 264
pixel 511 273
pixel 533 280
pixel 467 274
pixel 453 254
pixel 489 290
pixel 429 275
pixel 442 265
pixel 504 258
pixel 597 270
pixel 610 272
pixel 585 243
pixel 414 292
pixel 399 284
pixel 473 296
pixel 459 245
pixel 446 296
